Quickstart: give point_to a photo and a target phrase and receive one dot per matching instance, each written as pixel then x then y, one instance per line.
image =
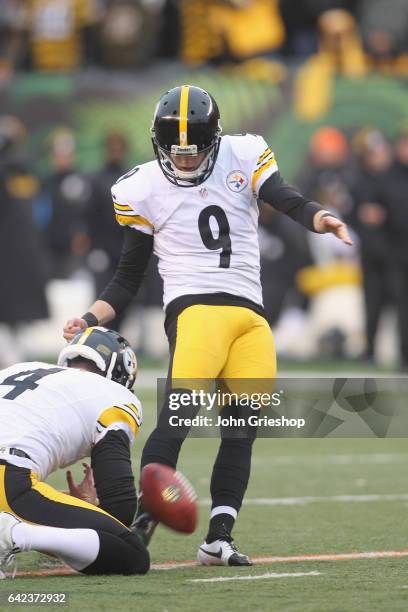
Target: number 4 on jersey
pixel 29 382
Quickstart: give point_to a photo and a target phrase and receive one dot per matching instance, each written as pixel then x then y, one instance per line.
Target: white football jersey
pixel 56 415
pixel 205 237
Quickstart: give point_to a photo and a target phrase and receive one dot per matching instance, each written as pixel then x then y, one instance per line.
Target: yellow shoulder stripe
pixel 260 171
pixel 133 220
pixel 117 414
pixel 124 213
pixel 262 157
pixel 123 207
pixel 135 410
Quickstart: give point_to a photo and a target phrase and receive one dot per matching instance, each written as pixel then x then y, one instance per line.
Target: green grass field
pixel 278 520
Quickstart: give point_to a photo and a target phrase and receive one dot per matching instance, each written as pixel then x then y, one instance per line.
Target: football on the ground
pixel 169 497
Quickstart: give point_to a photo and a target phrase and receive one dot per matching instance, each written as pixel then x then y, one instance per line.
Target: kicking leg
pixel 229 481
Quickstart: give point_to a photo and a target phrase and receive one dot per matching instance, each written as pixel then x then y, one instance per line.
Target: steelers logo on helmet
pixel 129 361
pixel 237 181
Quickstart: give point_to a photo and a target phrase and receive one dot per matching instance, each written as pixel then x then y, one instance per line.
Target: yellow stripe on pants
pixel 63 498
pixel 49 493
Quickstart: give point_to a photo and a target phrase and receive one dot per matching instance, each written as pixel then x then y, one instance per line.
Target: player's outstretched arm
pixel 285 198
pixel 324 223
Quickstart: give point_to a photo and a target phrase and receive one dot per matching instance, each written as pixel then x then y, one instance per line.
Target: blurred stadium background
pixel 325 81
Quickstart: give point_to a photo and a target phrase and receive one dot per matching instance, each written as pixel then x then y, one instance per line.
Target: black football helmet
pixel 186 122
pixel 108 350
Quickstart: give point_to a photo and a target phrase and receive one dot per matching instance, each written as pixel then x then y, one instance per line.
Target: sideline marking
pixel 257 577
pixel 299 558
pixel 169 565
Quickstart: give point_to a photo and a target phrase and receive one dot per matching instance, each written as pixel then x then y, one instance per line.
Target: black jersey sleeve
pixel 285 198
pixel 114 480
pixel 136 251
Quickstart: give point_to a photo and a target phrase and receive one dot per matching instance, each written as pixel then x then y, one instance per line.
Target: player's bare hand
pixel 73 327
pixel 332 225
pixel 85 490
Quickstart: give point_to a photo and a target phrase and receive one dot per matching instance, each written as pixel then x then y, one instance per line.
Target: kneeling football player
pixel 52 416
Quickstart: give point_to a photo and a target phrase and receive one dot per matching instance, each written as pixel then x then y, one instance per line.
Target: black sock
pixel 219 526
pixel 231 473
pixel 229 482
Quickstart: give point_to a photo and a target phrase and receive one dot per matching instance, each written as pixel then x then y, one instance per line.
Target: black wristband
pixel 90 318
pixel 327 214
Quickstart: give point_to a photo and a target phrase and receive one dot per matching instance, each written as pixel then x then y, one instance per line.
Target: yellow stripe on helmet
pixel 85 335
pixel 185 90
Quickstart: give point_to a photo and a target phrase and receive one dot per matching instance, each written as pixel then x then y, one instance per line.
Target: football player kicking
pixel 50 417
pixel 196 207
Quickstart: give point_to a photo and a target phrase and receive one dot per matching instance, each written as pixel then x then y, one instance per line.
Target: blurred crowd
pixel 65 35
pixel 59 227
pixel 335 294
pixel 330 296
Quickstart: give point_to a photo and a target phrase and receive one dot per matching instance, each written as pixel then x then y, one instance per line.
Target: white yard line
pixel 302 501
pixel 257 577
pixel 337 459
